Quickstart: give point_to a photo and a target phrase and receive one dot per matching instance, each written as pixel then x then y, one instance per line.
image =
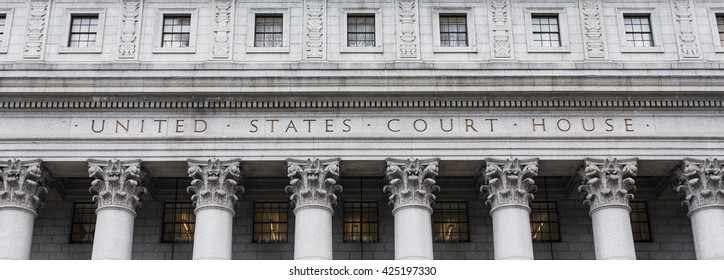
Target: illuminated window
pixel 84 222
pixel 176 31
pixel 544 221
pixel 450 222
pixel 453 31
pixel 640 221
pixel 268 31
pixel 638 31
pixel 270 222
pixel 178 222
pixel 545 30
pixel 360 222
pixel 83 31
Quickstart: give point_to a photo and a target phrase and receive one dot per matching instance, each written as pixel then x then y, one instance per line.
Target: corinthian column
pixel 313 184
pixel 608 185
pixel 701 188
pixel 215 185
pixel 117 190
pixel 410 185
pixel 509 184
pixel 20 196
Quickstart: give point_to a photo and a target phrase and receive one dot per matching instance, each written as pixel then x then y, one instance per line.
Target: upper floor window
pixel 268 30
pixel 640 221
pixel 453 30
pixel 270 222
pixel 450 222
pixel 84 222
pixel 544 221
pixel 360 222
pixel 83 31
pixel 638 30
pixel 2 27
pixel 545 30
pixel 176 31
pixel 720 28
pixel 178 222
pixel 361 30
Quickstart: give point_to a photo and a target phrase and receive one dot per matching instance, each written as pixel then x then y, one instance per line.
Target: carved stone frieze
pixel 130 9
pixel 215 183
pixel 313 182
pixel 686 35
pixel 314 33
pixel 608 182
pixel 700 183
pixel 408 34
pixel 22 184
pixel 500 10
pixel 116 183
pixel 36 29
pixel 411 181
pixel 222 29
pixel 509 182
pixel 593 29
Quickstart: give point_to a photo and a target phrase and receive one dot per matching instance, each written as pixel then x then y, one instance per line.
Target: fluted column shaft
pixel 509 184
pixel 410 185
pixel 20 196
pixel 313 183
pixel 215 185
pixel 702 190
pixel 117 187
pixel 608 185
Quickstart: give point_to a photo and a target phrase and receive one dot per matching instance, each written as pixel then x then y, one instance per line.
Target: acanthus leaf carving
pixel 700 183
pixel 131 9
pixel 608 182
pixel 313 182
pixel 222 31
pixel 593 29
pixel 116 183
pixel 36 29
pixel 22 184
pixel 509 182
pixel 314 14
pixel 501 31
pixel 408 34
pixel 688 46
pixel 411 181
pixel 215 183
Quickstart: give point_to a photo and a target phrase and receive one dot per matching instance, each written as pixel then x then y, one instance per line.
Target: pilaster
pixel 215 183
pixel 36 29
pixel 315 29
pixel 116 183
pixel 131 11
pixel 685 27
pixel 222 26
pixel 408 30
pixel 593 31
pixel 500 29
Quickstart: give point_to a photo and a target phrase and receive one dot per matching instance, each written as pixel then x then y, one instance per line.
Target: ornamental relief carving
pixel 36 28
pixel 608 182
pixel 313 182
pixel 314 14
pixel 501 32
pixel 222 30
pixel 509 182
pixel 700 183
pixel 116 183
pixel 22 184
pixel 409 29
pixel 215 183
pixel 593 29
pixel 129 29
pixel 688 45
pixel 411 181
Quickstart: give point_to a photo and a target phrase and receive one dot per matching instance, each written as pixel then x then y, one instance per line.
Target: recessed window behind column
pixel 544 221
pixel 638 31
pixel 545 30
pixel 83 31
pixel 84 222
pixel 179 222
pixel 270 222
pixel 360 222
pixel 268 31
pixel 176 31
pixel 640 221
pixel 450 222
pixel 361 30
pixel 453 30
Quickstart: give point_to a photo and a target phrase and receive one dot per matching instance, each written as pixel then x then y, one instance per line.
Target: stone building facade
pixel 382 129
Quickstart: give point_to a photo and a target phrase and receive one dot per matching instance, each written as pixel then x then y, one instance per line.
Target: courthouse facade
pixel 375 129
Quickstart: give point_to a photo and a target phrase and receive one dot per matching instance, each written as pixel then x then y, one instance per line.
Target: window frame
pixel 557 222
pixel 563 34
pixel 161 13
pixel 437 211
pixel 655 26
pixel 470 22
pixel 713 13
pixel 173 222
pixel 255 222
pixel 68 15
pixel 344 17
pixel 73 223
pixel 361 210
pixel 649 237
pixel 5 37
pixel 251 30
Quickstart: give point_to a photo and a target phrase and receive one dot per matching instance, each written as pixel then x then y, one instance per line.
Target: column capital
pixel 116 183
pixel 215 183
pixel 22 184
pixel 700 183
pixel 313 182
pixel 608 182
pixel 411 181
pixel 509 182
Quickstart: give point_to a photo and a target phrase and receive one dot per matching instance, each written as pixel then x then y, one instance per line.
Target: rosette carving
pixel 313 182
pixel 215 183
pixel 509 182
pixel 700 183
pixel 608 182
pixel 116 183
pixel 411 181
pixel 22 184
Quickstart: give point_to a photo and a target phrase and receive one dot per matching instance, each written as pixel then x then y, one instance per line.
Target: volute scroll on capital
pixel 215 183
pixel 700 183
pixel 509 182
pixel 23 184
pixel 116 183
pixel 313 182
pixel 411 181
pixel 608 182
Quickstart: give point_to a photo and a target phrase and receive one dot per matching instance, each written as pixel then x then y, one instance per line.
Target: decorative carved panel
pixel 700 183
pixel 36 29
pixel 500 29
pixel 130 17
pixel 509 182
pixel 221 45
pixel 411 181
pixel 686 35
pixel 215 183
pixel 22 184
pixel 408 34
pixel 592 14
pixel 116 183
pixel 315 39
pixel 608 182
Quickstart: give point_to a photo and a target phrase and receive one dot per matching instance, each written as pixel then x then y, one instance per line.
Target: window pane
pixel 268 31
pixel 361 30
pixel 84 220
pixel 450 222
pixel 176 31
pixel 638 31
pixel 270 222
pixel 361 222
pixel 545 30
pixel 179 222
pixel 83 31
pixel 453 30
pixel 639 221
pixel 544 221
